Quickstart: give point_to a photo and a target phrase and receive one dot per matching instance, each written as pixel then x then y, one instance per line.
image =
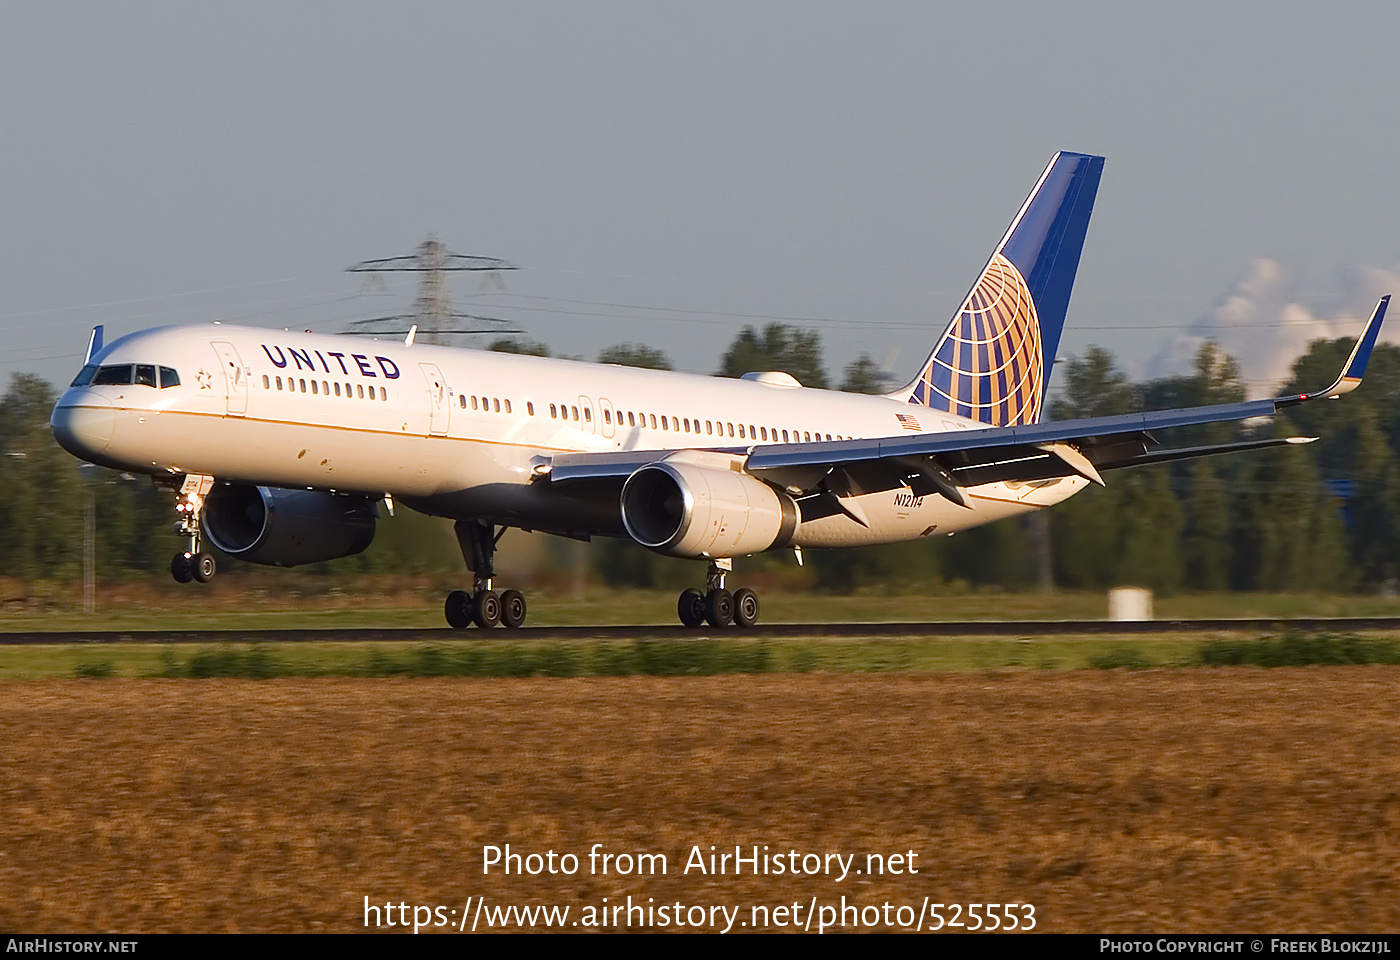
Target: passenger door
pixel 235 377
pixel 438 408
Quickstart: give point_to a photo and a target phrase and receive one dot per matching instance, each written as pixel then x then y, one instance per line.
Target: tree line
pixel 1315 517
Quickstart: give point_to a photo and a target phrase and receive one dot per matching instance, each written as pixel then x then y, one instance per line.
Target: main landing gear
pixel 717 606
pixel 193 563
pixel 483 606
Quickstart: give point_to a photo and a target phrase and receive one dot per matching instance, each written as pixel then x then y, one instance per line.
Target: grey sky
pixel 716 163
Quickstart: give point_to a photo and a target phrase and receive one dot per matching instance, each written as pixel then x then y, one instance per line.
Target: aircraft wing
pixel 946 462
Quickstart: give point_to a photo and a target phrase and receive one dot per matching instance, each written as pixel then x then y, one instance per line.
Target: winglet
pixel 94 344
pixel 1355 367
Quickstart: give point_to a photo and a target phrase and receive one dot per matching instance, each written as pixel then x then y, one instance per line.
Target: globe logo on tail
pixel 989 366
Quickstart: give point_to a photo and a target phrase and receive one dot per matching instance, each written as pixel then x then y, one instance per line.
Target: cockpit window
pixel 114 375
pixel 121 374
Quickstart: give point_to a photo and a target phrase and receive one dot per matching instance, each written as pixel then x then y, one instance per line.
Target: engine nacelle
pixel 687 510
pixel 285 528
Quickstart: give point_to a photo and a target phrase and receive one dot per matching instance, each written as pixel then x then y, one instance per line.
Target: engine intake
pixel 285 528
pixel 687 510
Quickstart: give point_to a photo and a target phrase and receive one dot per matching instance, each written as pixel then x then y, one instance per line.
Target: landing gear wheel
pixel 719 607
pixel 204 567
pixel 745 607
pixel 487 609
pixel 182 568
pixel 512 608
pixel 459 610
pixel 691 608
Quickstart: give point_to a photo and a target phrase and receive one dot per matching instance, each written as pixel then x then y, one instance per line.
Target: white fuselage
pixel 459 433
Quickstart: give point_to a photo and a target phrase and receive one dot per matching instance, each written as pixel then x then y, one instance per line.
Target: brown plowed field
pixel 1182 800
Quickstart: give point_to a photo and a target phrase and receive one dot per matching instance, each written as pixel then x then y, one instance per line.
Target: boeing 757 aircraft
pixel 281 445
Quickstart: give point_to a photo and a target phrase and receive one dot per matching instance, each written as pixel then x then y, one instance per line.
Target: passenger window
pixel 112 376
pixel 653 421
pixel 575 412
pixel 507 406
pixel 631 420
pixel 588 414
pixel 553 414
pixel 267 382
pixel 474 403
pixel 607 415
pixel 313 387
pixel 496 405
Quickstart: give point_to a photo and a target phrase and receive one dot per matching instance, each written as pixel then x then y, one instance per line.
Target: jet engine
pixel 687 510
pixel 285 528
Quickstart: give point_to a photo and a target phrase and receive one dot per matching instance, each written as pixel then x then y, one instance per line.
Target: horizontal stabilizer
pixel 94 344
pixel 1190 453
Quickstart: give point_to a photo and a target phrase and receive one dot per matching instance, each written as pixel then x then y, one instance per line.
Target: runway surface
pixel 870 631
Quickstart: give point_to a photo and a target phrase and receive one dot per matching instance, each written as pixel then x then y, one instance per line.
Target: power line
pixel 433 312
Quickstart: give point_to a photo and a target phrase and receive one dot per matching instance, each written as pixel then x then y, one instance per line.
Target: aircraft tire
pixel 719 608
pixel 745 607
pixel 181 568
pixel 691 608
pixel 486 607
pixel 203 567
pixel 458 609
pixel 513 609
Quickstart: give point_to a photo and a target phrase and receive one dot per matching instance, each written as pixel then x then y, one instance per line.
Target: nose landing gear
pixel 192 563
pixel 483 606
pixel 716 605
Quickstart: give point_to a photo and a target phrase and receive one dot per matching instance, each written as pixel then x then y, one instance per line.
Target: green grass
pixel 1297 650
pixel 510 658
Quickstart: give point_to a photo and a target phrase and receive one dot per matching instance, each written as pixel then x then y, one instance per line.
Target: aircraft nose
pixel 83 425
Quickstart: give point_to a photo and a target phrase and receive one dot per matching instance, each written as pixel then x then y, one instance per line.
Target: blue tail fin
pixel 994 360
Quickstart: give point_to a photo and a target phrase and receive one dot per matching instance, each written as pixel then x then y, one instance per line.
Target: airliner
pixel 280 447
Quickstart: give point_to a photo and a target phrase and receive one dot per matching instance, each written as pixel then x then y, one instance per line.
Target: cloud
pixel 1260 323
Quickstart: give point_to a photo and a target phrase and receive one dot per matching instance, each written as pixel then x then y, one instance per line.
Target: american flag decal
pixel 907 422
